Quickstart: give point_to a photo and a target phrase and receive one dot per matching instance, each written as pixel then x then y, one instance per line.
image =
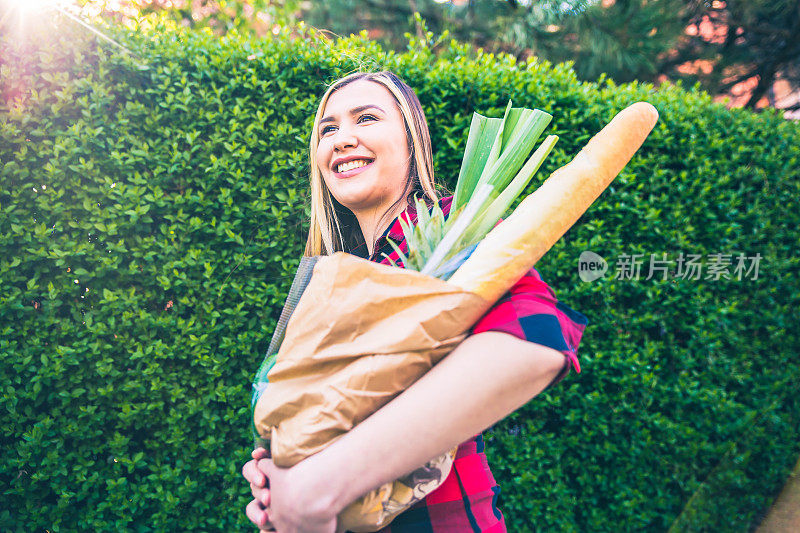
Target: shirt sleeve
pixel 531 312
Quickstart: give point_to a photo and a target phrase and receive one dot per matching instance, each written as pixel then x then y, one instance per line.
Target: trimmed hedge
pixel 152 211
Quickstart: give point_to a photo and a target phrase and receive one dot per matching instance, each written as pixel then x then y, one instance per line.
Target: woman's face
pixel 363 152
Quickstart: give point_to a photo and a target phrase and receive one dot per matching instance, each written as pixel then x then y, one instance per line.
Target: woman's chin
pixel 364 196
pixel 358 200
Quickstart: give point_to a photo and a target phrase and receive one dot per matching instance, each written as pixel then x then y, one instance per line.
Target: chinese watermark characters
pixel 716 266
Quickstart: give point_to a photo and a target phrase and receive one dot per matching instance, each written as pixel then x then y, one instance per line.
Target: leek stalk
pixel 493 173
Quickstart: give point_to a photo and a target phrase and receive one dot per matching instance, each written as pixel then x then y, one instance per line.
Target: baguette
pixel 518 242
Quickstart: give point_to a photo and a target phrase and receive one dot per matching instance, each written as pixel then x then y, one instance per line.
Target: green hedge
pixel 152 211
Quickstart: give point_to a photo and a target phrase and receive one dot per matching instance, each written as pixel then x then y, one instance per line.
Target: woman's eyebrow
pixel 355 111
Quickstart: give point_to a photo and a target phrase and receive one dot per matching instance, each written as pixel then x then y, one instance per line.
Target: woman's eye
pixel 327 129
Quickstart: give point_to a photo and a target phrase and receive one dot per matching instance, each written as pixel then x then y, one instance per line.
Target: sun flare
pixel 16 15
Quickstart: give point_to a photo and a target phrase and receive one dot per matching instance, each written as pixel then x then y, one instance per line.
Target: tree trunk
pixel 766 77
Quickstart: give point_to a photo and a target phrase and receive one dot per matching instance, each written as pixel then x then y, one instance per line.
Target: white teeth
pixel 350 165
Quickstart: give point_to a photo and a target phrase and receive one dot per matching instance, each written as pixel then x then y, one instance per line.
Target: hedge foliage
pixel 152 211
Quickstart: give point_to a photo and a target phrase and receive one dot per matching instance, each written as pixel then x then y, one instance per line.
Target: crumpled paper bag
pixel 362 333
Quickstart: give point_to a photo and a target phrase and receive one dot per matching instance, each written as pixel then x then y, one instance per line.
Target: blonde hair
pixel 325 234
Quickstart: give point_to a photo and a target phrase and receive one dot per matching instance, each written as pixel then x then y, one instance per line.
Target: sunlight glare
pixel 18 15
pixel 21 12
pixel 27 7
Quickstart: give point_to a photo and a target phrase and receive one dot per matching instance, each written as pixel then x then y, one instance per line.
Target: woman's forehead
pixel 358 94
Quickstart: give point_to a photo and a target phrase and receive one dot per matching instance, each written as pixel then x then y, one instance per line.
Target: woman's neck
pixel 373 222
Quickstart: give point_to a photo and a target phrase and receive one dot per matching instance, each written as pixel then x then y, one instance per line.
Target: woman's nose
pixel 344 139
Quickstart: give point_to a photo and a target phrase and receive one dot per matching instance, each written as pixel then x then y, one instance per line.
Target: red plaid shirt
pixel 467 500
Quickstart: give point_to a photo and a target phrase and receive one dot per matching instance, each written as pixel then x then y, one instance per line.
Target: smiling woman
pixel 370 153
pixel 374 119
pixel 362 153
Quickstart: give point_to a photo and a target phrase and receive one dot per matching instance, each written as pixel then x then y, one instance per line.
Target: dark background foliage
pixel 744 50
pixel 152 211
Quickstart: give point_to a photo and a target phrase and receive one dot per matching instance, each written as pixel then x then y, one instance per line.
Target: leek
pixel 493 174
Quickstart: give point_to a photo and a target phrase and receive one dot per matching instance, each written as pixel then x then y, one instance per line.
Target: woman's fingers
pixel 259 453
pixel 265 466
pixel 252 474
pixel 260 494
pixel 258 515
pixel 257 509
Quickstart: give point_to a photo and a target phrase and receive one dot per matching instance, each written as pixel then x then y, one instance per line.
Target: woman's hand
pixel 256 510
pixel 296 504
pixel 290 500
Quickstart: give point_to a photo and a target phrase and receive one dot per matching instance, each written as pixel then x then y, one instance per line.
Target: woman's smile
pixel 350 167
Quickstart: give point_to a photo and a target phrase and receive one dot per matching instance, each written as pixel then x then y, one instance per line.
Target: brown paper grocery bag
pixel 361 334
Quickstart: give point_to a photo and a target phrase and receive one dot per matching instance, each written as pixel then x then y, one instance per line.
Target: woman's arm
pixel 484 379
